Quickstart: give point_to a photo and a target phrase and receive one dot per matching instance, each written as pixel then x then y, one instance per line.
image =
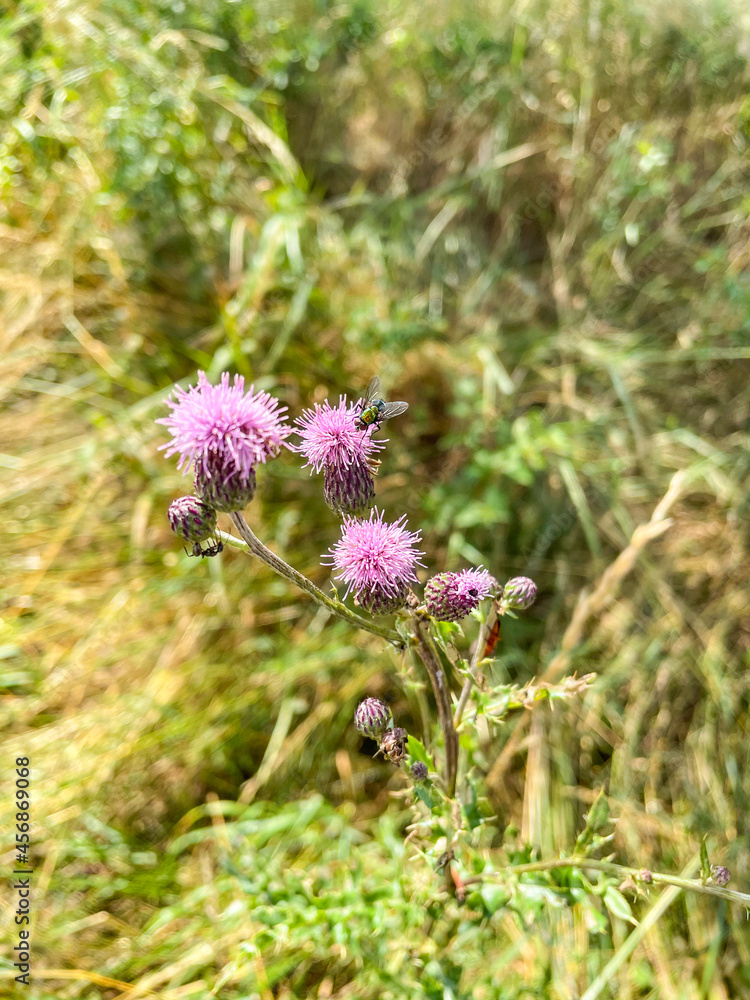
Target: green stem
pixel 485 628
pixel 442 698
pixel 252 543
pixel 621 871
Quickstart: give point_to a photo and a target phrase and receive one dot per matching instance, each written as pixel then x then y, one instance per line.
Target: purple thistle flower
pixel 331 440
pixel 376 560
pixel 221 429
pixel 451 596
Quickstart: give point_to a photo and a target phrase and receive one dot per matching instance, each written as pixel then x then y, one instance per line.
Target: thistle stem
pixel 442 699
pixel 484 631
pixel 621 871
pixel 254 545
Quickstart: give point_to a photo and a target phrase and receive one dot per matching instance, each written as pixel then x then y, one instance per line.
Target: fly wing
pixel 393 410
pixel 373 389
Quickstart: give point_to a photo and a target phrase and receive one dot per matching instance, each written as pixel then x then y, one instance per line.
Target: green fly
pixel 374 409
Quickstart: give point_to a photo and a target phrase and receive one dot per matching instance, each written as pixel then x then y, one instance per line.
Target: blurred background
pixel 532 220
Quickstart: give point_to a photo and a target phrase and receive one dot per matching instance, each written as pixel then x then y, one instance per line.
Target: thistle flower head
pixel 372 717
pixel 192 519
pixel 221 429
pixel 451 596
pixel 379 601
pixel 225 493
pixel 349 491
pixel 519 593
pixel 376 555
pixel 330 439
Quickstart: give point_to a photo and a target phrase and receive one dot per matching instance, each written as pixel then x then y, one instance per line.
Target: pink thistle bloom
pixel 222 429
pixel 375 556
pixel 331 439
pixel 451 596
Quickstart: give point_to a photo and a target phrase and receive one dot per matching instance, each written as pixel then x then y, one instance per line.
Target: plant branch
pixel 484 630
pixel 253 544
pixel 621 871
pixel 442 698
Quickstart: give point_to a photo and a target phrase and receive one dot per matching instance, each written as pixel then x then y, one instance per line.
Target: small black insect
pixel 211 550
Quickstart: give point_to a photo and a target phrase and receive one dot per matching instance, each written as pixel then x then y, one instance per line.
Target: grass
pixel 532 221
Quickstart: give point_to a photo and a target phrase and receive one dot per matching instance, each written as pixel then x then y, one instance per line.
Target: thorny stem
pixel 484 631
pixel 442 698
pixel 621 871
pixel 253 544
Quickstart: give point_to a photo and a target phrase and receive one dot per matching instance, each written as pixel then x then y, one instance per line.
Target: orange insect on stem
pixel 492 639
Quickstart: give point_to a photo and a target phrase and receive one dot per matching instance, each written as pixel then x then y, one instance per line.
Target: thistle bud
pixel 349 490
pixel 224 493
pixel 720 875
pixel 519 593
pixel 192 519
pixel 372 717
pixel 419 771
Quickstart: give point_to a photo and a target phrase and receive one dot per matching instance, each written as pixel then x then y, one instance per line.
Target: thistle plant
pixel 376 560
pixel 224 435
pixel 333 445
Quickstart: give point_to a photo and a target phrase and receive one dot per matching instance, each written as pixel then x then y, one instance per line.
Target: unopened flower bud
pixel 226 493
pixel 372 717
pixel 645 876
pixel 419 771
pixel 519 593
pixel 192 519
pixel 349 490
pixel 720 875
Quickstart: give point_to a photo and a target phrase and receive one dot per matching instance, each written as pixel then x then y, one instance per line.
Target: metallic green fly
pixel 374 409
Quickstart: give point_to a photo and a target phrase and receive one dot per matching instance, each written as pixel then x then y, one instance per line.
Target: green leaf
pixel 418 752
pixel 493 896
pixel 403 629
pixel 598 817
pixel 470 810
pixel 424 793
pixel 447 630
pixel 705 864
pixel 618 906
